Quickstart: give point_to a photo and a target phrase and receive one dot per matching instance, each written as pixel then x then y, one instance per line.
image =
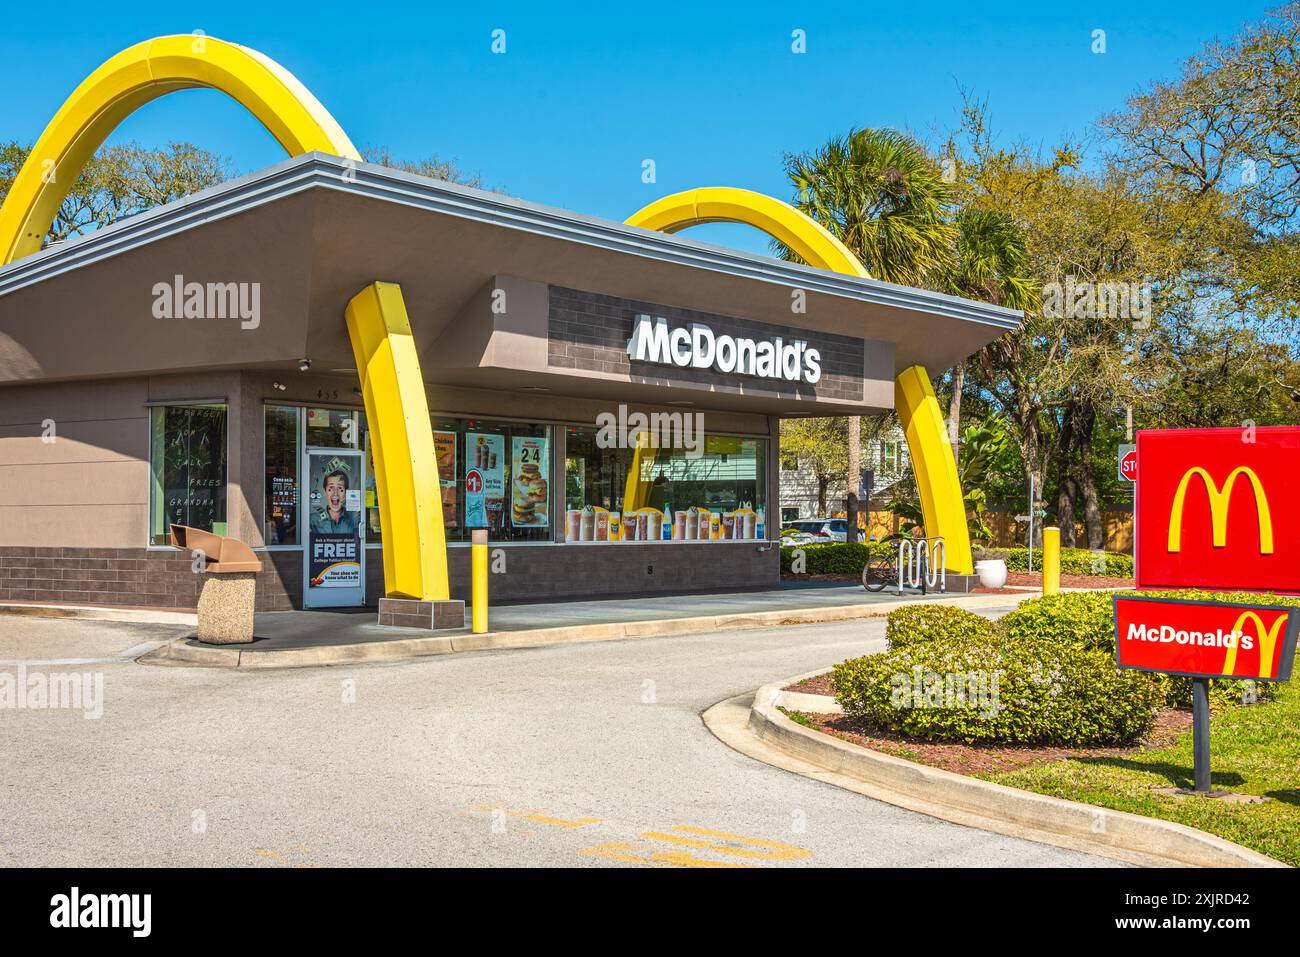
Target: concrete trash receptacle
pixel 229 592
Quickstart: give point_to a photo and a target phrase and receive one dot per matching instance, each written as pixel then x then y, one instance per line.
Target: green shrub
pixel 1074 561
pixel 834 558
pixel 913 624
pixel 1029 694
pixel 1085 618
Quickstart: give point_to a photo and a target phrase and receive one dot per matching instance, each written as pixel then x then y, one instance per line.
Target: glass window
pixel 374 529
pixel 280 508
pixel 666 493
pixel 333 428
pixel 494 475
pixel 187 459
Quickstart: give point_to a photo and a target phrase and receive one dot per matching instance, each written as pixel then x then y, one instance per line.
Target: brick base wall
pixel 165 579
pixel 117 576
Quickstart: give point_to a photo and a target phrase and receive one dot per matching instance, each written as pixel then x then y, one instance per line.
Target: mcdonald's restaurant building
pixel 192 365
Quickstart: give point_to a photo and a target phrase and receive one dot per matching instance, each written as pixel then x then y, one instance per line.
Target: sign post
pixel 1203 640
pixel 1201 735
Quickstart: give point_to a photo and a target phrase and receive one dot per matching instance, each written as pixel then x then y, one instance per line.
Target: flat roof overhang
pixel 314 230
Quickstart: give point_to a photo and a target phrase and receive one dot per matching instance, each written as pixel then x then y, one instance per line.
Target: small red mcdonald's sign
pixel 1219 508
pixel 1203 639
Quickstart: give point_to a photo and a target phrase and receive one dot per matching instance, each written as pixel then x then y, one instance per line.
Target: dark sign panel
pixel 1204 639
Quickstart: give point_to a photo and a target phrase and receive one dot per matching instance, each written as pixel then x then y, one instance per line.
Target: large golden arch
pixel 415 554
pixel 133 78
pixel 918 409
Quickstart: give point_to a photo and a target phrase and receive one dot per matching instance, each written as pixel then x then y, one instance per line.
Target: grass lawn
pixel 1253 750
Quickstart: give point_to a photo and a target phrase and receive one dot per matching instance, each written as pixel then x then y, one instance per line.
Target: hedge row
pixel 843 558
pixel 833 558
pixel 1074 561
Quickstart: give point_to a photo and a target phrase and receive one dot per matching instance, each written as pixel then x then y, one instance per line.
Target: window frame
pixel 164 405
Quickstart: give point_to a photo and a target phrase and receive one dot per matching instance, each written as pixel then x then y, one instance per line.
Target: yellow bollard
pixel 479 579
pixel 1051 561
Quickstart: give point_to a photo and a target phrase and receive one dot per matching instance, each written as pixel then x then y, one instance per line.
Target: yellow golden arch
pixel 415 554
pixel 414 547
pixel 942 503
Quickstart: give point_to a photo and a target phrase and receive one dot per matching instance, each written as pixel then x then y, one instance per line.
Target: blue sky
pixel 583 95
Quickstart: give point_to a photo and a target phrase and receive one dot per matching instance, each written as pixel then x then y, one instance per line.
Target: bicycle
pixel 882 571
pixel 879 573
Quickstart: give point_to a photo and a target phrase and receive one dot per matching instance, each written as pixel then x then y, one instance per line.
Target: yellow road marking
pixel 620 851
pixel 538 816
pixel 772 850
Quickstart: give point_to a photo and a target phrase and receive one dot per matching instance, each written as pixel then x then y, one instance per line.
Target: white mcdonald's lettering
pixel 697 346
pixel 1210 638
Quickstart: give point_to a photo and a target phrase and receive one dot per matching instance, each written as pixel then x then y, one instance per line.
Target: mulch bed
pixel 1035 580
pixel 822 684
pixel 1017 582
pixel 984 759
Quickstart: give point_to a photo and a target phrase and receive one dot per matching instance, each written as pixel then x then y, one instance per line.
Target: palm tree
pixel 990 264
pixel 881 195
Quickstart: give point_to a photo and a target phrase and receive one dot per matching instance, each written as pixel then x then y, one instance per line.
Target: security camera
pixel 304 365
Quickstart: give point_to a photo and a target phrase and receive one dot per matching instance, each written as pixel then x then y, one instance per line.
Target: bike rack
pixel 921 564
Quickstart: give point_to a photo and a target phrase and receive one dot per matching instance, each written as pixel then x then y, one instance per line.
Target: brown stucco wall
pixel 74 513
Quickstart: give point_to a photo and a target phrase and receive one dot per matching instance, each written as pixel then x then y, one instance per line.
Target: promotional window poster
pixel 444 448
pixel 485 479
pixel 335 533
pixel 530 490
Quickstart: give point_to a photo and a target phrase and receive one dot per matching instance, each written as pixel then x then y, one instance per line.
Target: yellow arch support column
pixel 401 436
pixel 942 502
pixel 131 79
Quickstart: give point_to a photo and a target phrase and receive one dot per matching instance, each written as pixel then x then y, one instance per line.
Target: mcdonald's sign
pixel 1204 639
pixel 1218 508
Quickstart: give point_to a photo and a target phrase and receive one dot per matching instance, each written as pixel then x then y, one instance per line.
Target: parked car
pixel 809 531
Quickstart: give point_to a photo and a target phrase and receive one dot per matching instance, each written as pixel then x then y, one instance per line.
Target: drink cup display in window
pixel 728 525
pixel 692 524
pixel 715 526
pixel 615 527
pixel 602 524
pixel 588 527
pixel 572 524
pixel 679 525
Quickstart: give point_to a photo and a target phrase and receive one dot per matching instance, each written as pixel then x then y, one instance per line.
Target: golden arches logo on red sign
pixel 1213 509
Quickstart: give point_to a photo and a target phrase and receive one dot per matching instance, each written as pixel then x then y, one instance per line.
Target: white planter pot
pixel 992 572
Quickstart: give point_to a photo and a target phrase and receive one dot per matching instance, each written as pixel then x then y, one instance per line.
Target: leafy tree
pixel 432 166
pixel 120 181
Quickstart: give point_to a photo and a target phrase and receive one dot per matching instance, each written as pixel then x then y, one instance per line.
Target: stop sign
pixel 1128 463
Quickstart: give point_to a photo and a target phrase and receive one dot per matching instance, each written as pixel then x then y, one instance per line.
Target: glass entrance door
pixel 334 560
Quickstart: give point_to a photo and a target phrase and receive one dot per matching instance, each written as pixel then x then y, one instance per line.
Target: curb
pixel 141 616
pixel 996 807
pixel 396 649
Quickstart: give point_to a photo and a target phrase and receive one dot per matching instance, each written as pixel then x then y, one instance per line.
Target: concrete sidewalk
pixel 308 638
